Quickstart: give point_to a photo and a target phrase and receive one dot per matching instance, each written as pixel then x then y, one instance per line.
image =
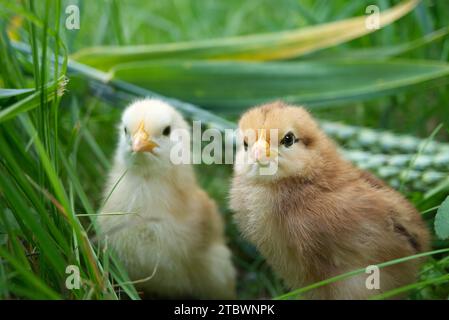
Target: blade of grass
pixel 32 101
pixel 23 214
pixel 21 180
pixel 34 281
pixel 297 292
pixel 421 284
pixel 91 260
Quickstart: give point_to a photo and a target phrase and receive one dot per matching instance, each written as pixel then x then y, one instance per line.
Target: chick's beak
pixel 261 149
pixel 141 141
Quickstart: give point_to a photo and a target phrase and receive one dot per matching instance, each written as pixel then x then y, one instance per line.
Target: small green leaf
pixel 442 220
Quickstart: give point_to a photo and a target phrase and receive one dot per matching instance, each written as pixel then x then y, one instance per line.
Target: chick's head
pixel 146 132
pixel 285 138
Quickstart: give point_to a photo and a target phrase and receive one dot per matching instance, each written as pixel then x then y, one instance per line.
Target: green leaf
pixel 233 86
pixel 442 220
pixel 260 47
pixel 12 93
pixel 31 101
pixel 383 52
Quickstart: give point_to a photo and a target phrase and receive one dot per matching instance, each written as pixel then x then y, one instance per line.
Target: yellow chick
pixel 317 216
pixel 168 233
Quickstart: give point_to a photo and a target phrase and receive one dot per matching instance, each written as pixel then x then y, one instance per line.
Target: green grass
pixel 56 148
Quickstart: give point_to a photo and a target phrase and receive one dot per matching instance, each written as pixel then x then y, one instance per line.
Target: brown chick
pixel 318 216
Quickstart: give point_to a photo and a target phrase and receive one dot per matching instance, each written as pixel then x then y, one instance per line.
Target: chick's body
pixel 170 237
pixel 318 216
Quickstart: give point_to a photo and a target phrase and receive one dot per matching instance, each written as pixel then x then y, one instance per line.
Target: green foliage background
pixel 56 148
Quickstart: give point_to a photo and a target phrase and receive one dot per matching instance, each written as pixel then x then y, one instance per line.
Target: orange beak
pixel 141 141
pixel 261 148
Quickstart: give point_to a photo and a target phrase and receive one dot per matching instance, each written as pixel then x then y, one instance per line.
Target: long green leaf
pixel 236 85
pixel 261 47
pixel 13 93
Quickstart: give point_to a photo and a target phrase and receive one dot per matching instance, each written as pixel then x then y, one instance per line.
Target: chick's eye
pixel 289 139
pixel 166 131
pixel 245 145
